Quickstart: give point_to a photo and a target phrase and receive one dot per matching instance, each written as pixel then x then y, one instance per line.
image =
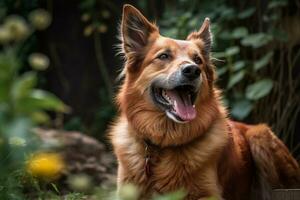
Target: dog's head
pixel 165 78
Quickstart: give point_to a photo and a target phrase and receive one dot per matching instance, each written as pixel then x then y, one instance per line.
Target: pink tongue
pixel 182 105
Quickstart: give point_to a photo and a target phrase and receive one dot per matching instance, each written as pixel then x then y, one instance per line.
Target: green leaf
pixel 41 100
pixel 40 117
pixel 280 35
pixel 178 195
pixel 246 13
pixel 256 40
pixel 225 35
pixel 235 78
pixel 170 32
pixel 225 102
pixel 23 85
pixel 222 70
pixel 259 89
pixel 263 61
pixel 193 22
pixel 277 3
pixel 239 32
pixel 228 13
pixel 55 188
pixel 238 65
pixel 232 51
pixel 218 54
pixel 9 64
pixel 241 109
pixel 49 101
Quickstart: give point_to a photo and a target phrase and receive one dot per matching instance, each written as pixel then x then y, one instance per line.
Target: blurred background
pixel 58 69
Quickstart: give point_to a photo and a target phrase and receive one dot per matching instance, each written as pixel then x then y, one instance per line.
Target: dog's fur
pixel 208 156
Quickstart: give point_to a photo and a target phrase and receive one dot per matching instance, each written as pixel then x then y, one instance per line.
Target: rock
pixel 82 154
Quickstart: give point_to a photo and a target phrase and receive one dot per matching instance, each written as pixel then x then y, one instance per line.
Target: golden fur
pixel 210 155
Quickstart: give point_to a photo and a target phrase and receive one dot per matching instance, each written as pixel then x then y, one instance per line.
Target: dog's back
pixel 254 162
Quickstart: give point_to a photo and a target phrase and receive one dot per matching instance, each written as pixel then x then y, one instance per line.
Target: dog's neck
pixel 152 151
pixel 166 133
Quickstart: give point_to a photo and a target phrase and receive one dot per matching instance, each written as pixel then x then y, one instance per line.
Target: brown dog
pixel 173 131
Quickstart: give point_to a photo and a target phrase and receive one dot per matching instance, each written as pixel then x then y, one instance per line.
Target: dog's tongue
pixel 182 104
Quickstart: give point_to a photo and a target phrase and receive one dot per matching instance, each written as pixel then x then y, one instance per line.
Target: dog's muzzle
pixel 176 94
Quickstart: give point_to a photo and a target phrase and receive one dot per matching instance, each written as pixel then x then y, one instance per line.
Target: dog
pixel 173 132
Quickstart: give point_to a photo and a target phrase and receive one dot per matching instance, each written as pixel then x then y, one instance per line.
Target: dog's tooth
pixel 164 94
pixel 193 106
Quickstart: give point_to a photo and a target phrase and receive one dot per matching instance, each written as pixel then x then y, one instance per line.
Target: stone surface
pixel 82 154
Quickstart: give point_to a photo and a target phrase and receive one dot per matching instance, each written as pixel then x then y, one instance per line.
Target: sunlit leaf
pixel 228 13
pixel 235 78
pixel 263 61
pixel 278 3
pixel 127 192
pixel 178 195
pixel 225 102
pixel 49 101
pixel 17 141
pixel 241 109
pixel 23 85
pixel 246 13
pixel 218 54
pixel 232 51
pixel 238 65
pixel 239 32
pixel 42 100
pixel 225 35
pixel 40 117
pixel 222 70
pixel 256 40
pixel 259 89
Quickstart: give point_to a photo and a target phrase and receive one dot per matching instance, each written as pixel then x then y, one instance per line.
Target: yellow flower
pixel 38 61
pixel 40 19
pixel 129 192
pixel 85 17
pixel 80 182
pixel 17 141
pixel 46 166
pixel 17 26
pixel 5 35
pixel 102 28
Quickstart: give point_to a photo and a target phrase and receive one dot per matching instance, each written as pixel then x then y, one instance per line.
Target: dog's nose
pixel 191 71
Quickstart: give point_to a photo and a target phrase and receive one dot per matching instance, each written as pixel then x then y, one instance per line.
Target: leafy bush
pixel 255 55
pixel 22 105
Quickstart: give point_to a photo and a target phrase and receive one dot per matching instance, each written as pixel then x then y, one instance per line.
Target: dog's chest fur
pixel 191 166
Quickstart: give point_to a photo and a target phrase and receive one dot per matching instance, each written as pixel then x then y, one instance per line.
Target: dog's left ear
pixel 135 30
pixel 203 34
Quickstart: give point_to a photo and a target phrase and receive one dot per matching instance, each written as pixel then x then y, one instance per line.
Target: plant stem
pixel 101 65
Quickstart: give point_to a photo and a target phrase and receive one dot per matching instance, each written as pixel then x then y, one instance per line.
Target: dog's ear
pixel 135 30
pixel 203 34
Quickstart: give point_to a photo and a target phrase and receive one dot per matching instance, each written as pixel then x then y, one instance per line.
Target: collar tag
pixel 147 167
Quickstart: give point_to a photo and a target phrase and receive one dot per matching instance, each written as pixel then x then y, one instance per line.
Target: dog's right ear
pixel 135 30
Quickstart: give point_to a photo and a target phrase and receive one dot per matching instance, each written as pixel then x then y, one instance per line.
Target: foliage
pixel 248 43
pixel 255 53
pixel 236 72
pixel 22 105
pixel 97 23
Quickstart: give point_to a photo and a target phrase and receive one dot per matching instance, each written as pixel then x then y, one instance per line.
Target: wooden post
pixel 286 194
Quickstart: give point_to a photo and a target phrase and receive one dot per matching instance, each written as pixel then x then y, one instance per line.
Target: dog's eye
pixel 163 56
pixel 197 60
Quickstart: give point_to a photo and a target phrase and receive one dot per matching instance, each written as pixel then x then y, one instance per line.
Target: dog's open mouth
pixel 178 103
